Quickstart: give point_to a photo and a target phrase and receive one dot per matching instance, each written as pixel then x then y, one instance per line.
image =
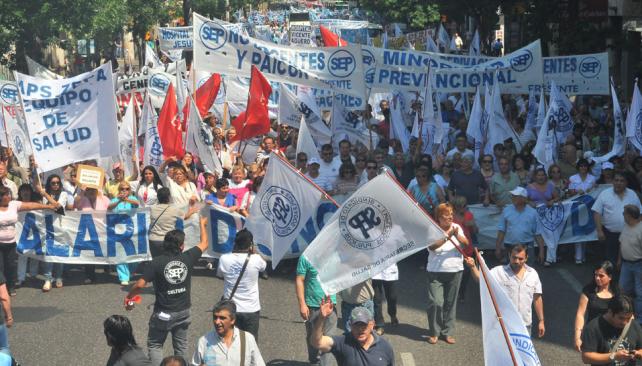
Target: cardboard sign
pixel 90 176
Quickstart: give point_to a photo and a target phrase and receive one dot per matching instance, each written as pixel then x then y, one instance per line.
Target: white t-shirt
pixel 181 194
pixel 455 150
pixel 389 274
pixel 330 171
pixel 246 297
pixel 446 258
pixel 65 199
pixel 8 219
pixel 521 293
pixel 575 182
pixel 611 207
pixel 146 193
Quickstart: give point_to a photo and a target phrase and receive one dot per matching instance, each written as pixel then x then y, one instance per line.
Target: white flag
pixel 289 113
pixel 442 36
pixel 562 120
pixel 545 151
pixel 485 121
pixel 384 40
pixel 305 143
pixel 619 138
pixel 551 223
pixel 453 44
pixel 474 128
pixel 181 88
pixel 151 59
pixel 398 129
pixel 283 205
pixel 37 70
pixel 153 148
pixel 541 111
pixel 379 225
pixel 16 131
pixel 398 32
pixel 634 119
pixel 498 128
pixel 475 45
pixel 200 141
pixel 310 109
pixel 531 113
pixel 496 351
pixel 348 125
pixel 126 135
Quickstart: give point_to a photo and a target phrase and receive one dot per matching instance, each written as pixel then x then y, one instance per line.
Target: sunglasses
pixel 123 189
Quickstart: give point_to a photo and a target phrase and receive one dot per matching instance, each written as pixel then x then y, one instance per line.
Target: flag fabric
pixel 16 132
pixel 376 227
pixel 305 143
pixel 347 125
pixel 289 113
pixel 431 46
pixel 398 129
pixel 398 32
pixel 126 135
pixel 474 128
pixel 37 70
pixel 531 112
pixel 498 128
pixel 562 120
pixel 282 207
pixel 312 113
pixel 545 150
pixel 634 119
pixel 181 92
pixel 453 44
pixel 384 40
pixel 256 120
pixel 443 38
pixel 475 45
pixel 551 223
pixel 151 59
pixel 496 351
pixel 485 121
pixel 169 126
pixel 541 111
pixel 153 148
pixel 331 39
pixel 206 94
pixel 200 140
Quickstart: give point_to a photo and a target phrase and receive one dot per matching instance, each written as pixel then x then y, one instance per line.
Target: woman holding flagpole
pixel 445 267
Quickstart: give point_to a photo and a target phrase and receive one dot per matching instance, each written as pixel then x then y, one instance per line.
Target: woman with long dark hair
pixel 148 186
pixel 124 349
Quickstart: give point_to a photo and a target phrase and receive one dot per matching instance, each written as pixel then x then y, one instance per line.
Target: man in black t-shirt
pixel 600 336
pixel 171 274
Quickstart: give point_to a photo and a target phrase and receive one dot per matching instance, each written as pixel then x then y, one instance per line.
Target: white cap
pixel 607 165
pixel 314 161
pixel 519 191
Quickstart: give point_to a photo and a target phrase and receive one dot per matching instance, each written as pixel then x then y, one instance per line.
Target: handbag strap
pixel 155 221
pixel 238 280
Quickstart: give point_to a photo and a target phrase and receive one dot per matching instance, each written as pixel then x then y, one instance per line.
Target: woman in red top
pixel 464 218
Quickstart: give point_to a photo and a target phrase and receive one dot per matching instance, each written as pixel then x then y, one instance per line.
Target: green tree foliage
pixel 417 14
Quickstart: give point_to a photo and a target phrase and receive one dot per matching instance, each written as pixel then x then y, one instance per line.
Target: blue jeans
pixel 631 283
pixel 4 339
pixel 346 309
pixel 51 269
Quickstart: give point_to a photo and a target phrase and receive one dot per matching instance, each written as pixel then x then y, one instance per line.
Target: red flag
pixel 206 94
pixel 169 126
pixel 256 119
pixel 331 39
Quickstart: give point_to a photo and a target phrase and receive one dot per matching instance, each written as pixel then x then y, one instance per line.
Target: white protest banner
pixel 175 38
pixel 376 227
pixel 500 306
pixel 96 237
pixel 126 135
pixel 218 48
pixel 577 74
pixel 225 224
pixel 336 24
pixel 70 119
pixel 578 226
pixel 16 133
pixel 151 58
pixel 37 70
pixel 156 81
pixel 283 205
pixel 301 34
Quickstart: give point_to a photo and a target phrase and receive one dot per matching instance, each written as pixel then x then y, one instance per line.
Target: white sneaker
pixel 46 287
pixel 124 283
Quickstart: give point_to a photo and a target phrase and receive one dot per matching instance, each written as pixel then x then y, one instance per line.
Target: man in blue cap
pixel 359 347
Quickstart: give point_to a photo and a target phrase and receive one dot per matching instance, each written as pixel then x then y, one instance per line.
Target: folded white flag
pixel 283 205
pixel 379 225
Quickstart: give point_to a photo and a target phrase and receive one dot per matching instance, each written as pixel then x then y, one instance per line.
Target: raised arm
pixel 319 341
pixel 204 244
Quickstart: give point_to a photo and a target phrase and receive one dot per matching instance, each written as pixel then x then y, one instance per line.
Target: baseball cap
pixel 360 315
pixel 313 161
pixel 607 165
pixel 519 191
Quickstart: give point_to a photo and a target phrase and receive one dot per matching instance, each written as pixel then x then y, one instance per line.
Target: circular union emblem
pixel 551 217
pixel 175 272
pixel 281 207
pixel 365 223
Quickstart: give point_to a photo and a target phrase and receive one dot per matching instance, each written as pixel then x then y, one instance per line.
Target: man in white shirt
pixel 328 167
pixel 246 294
pixel 461 146
pixel 315 176
pixel 222 346
pixel 522 285
pixel 608 212
pixel 344 153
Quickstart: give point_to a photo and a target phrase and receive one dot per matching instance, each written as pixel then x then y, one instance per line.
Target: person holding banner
pixel 163 217
pixel 125 201
pixel 90 199
pixel 8 217
pixel 171 274
pixel 444 267
pixel 112 186
pixel 182 190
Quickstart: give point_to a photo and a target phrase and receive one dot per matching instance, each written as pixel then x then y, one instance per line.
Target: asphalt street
pixel 64 326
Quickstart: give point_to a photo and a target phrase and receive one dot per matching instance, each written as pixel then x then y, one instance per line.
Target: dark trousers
pixel 9 263
pixel 465 277
pixel 249 322
pixel 611 245
pixel 384 290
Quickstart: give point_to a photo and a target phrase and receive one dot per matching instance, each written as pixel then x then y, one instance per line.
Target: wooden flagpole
pixel 509 343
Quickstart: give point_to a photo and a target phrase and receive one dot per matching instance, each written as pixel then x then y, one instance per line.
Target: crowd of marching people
pixel 444 183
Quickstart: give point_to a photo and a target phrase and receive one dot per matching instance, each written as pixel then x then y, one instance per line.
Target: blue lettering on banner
pixel 124 238
pixel 213 36
pixel 9 93
pixel 53 248
pixel 341 64
pixel 522 61
pixel 582 204
pixel 559 65
pixel 525 346
pixel 85 227
pixel 590 67
pixel 30 230
pixel 159 83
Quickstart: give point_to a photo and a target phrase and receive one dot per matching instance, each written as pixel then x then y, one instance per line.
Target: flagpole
pixel 284 160
pixel 4 123
pixel 498 313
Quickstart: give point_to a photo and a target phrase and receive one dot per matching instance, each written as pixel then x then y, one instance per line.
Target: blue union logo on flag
pixel 551 217
pixel 282 209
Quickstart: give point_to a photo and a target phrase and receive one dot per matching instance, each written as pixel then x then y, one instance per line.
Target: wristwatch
pixel 612 356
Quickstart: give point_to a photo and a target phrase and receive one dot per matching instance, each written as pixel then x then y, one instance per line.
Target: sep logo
pixel 9 93
pixel 551 217
pixel 282 209
pixel 364 223
pixel 175 272
pixel 590 67
pixel 213 36
pixel 560 119
pixel 369 60
pixel 159 83
pixel 522 61
pixel 341 64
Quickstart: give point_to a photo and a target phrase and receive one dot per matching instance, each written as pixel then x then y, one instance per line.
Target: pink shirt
pixel 102 203
pixel 8 219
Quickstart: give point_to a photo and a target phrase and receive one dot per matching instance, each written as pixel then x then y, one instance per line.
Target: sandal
pixel 432 340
